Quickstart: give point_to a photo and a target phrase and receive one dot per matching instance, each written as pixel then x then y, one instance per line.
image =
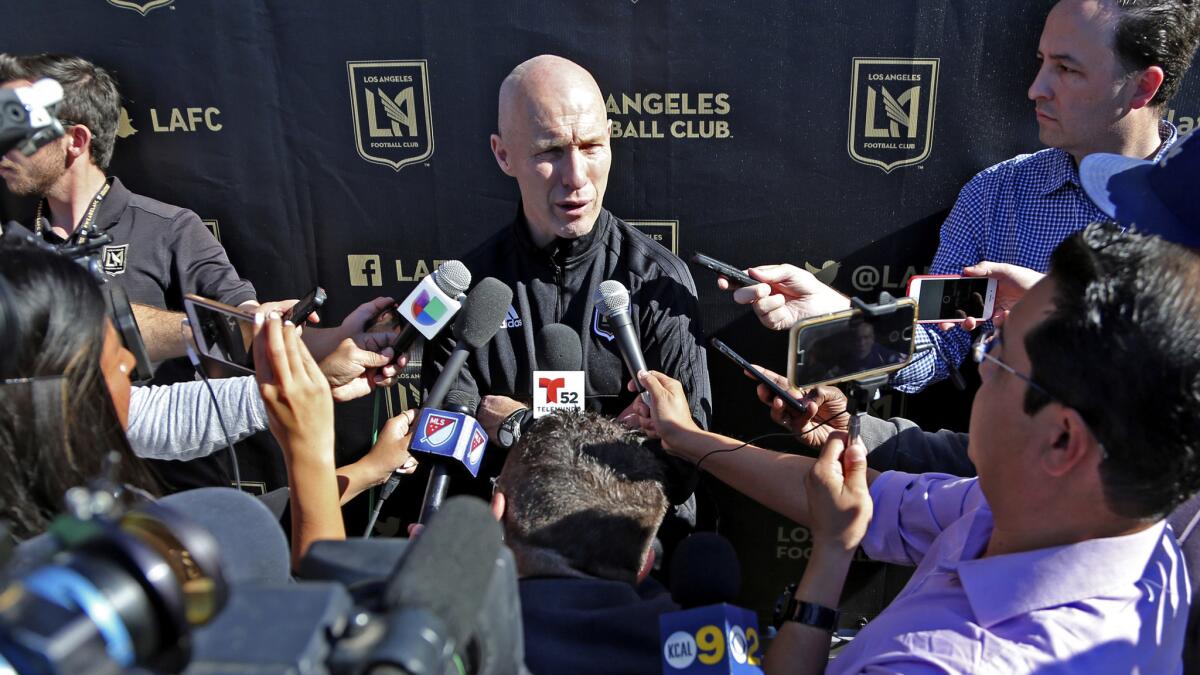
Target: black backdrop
pixel 745 134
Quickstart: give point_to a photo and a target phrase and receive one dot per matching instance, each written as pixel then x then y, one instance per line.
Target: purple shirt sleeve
pixel 911 510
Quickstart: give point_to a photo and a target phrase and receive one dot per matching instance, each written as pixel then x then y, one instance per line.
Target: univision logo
pixel 427 310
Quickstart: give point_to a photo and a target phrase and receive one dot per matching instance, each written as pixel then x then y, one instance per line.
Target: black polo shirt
pixel 161 252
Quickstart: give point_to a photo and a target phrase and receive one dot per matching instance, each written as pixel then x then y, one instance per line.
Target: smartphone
pixel 848 345
pixel 307 305
pixel 222 333
pixel 726 270
pixel 779 391
pixel 950 298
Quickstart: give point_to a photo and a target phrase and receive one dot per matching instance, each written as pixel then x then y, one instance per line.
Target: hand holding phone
pixel 305 306
pixel 780 392
pixel 733 274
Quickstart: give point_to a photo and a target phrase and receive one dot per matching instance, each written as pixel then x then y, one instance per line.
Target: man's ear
pixel 1071 442
pixel 1146 86
pixel 501 154
pixel 498 504
pixel 647 565
pixel 79 141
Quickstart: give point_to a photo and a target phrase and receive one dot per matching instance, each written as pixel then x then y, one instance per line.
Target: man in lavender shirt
pixel 1085 432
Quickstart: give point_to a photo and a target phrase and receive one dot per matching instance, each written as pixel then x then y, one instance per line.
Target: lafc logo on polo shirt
pixel 393 122
pixel 140 7
pixel 892 104
pixel 112 259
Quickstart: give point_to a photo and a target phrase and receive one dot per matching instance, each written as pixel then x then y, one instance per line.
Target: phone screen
pixel 224 337
pixel 952 299
pixel 847 346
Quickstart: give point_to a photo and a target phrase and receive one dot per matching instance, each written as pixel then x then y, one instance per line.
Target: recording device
pixel 27 116
pixel 126 590
pixel 850 345
pixel 429 307
pixel 479 322
pixel 451 438
pixel 780 392
pixel 559 381
pixel 307 305
pixel 733 274
pixel 613 299
pixel 224 334
pixel 708 635
pixel 952 298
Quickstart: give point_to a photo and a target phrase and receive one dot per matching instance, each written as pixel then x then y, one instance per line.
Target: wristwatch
pixel 510 429
pixel 788 608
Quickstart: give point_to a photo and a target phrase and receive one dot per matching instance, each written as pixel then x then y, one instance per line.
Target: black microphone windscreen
pixel 252 546
pixel 705 571
pixel 558 348
pixel 461 401
pixel 450 565
pixel 480 317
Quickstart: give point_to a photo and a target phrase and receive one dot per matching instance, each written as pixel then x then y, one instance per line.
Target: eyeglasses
pixel 980 351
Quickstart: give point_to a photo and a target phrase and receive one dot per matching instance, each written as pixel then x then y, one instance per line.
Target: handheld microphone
pixel 705 571
pixel 558 383
pixel 431 305
pixel 450 436
pixel 613 299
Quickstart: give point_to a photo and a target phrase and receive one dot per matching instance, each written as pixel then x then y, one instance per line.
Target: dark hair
pixel 1157 32
pixel 1122 347
pixel 583 487
pixel 55 432
pixel 90 95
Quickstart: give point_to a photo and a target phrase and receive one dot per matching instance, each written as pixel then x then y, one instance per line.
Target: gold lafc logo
pixel 140 7
pixel 393 122
pixel 892 107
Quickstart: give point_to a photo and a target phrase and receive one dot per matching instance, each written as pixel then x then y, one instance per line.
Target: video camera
pixel 27 116
pixel 144 589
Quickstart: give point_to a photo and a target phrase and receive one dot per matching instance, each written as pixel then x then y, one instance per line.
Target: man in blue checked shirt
pixel 1108 70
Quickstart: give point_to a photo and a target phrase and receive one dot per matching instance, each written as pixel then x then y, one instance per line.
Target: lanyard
pixel 87 227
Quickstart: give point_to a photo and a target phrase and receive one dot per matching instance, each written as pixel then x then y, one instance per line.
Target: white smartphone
pixel 222 333
pixel 951 298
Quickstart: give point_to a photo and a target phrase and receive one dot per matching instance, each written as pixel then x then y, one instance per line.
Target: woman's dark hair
pixel 57 427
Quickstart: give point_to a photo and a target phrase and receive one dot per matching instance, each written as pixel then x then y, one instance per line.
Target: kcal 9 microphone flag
pixel 711 639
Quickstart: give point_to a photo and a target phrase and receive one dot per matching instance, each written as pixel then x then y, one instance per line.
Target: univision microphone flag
pixel 449 434
pixel 428 308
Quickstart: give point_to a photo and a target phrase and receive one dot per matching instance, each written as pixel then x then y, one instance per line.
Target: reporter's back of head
pixel 580 492
pixel 58 419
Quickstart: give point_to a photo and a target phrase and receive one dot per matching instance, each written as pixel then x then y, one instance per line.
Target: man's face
pixel 559 153
pixel 864 340
pixel 33 175
pixel 1081 90
pixel 1004 440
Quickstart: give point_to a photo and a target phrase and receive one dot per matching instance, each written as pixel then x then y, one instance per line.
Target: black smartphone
pixel 733 274
pixel 307 305
pixel 847 345
pixel 779 391
pixel 222 333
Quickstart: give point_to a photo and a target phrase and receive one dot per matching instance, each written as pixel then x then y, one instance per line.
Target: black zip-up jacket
pixel 556 284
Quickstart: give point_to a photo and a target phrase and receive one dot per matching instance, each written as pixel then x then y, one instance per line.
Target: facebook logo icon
pixel 365 270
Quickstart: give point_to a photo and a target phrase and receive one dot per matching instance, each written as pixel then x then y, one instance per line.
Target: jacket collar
pixel 562 252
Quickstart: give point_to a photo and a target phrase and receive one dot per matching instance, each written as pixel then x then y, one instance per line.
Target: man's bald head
pixel 554 139
pixel 541 80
